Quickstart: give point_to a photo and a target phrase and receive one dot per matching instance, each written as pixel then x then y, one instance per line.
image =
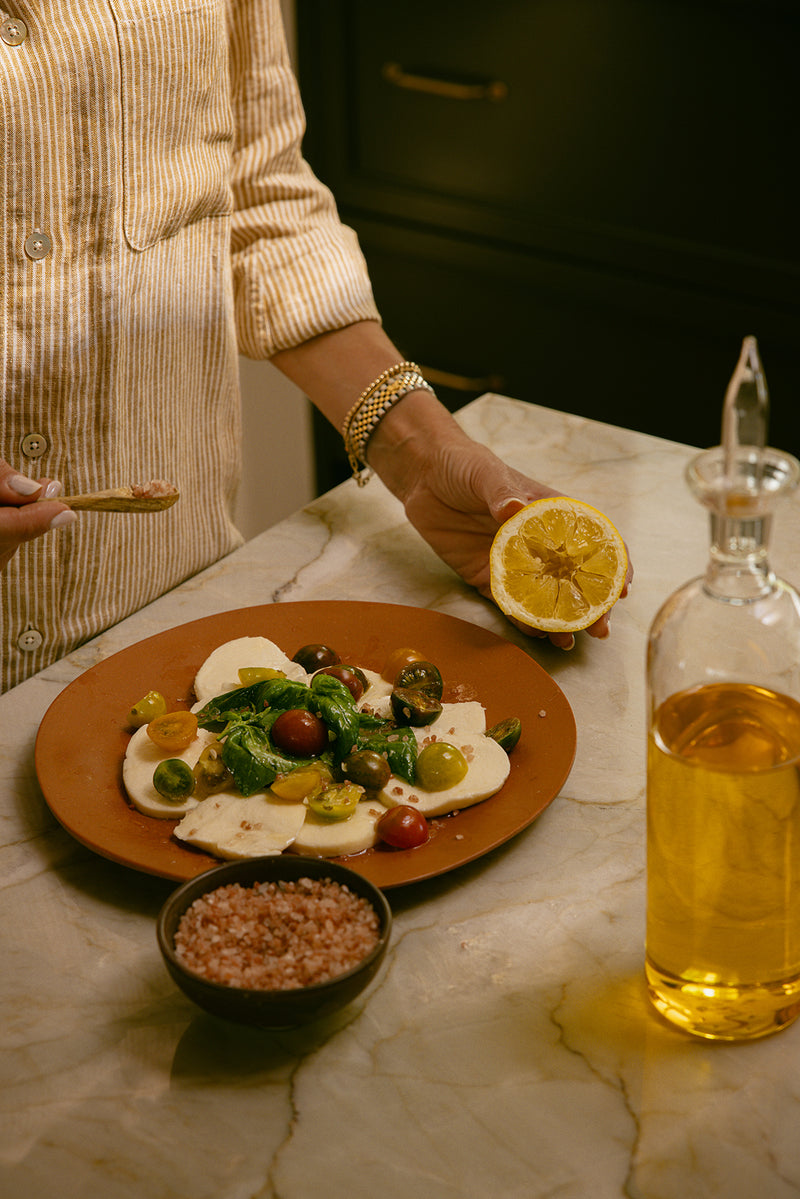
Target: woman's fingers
pixel 22 518
pixel 16 488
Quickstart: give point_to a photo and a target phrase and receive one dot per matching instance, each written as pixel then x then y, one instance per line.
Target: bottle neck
pixel 738 569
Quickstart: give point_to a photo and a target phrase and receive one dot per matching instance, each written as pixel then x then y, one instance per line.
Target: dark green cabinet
pixel 582 203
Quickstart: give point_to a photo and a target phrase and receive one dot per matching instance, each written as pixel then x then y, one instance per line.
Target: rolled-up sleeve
pixel 297 271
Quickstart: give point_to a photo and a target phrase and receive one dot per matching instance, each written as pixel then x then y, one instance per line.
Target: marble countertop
pixel 507 1047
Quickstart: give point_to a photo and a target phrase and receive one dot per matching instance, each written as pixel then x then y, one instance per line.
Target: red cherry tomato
pixel 403 827
pixel 353 678
pixel 300 733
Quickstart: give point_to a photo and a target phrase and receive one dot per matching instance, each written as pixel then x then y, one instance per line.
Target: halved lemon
pixel 557 565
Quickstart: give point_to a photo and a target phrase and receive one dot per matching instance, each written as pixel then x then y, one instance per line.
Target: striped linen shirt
pixel 157 219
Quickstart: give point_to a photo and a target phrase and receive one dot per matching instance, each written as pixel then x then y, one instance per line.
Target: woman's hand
pixel 456 494
pixel 21 518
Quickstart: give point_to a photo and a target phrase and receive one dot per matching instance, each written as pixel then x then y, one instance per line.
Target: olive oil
pixel 723 845
pixel 723 777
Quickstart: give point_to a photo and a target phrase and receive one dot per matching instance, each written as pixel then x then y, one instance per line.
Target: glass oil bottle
pixel 723 769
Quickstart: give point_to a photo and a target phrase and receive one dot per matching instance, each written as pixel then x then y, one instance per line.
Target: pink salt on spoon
pixel 154 496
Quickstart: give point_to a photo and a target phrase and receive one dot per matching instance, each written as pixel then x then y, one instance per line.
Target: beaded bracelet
pixel 371 407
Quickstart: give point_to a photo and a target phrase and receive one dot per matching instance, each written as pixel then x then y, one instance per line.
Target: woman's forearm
pixel 334 369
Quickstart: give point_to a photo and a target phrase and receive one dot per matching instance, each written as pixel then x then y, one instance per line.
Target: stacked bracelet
pixel 371 407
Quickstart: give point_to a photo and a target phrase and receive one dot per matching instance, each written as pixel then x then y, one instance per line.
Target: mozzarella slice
pixel 488 769
pixel 232 826
pixel 141 758
pixel 323 838
pixel 220 671
pixel 468 716
pixel 377 696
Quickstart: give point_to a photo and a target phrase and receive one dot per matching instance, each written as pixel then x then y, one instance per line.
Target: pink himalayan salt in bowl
pixel 274 942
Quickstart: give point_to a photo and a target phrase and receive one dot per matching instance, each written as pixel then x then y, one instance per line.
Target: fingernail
pixel 53 490
pixel 22 484
pixel 511 508
pixel 64 518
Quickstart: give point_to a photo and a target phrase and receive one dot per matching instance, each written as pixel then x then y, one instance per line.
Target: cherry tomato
pixel 403 827
pixel 258 674
pixel 396 661
pixel 311 657
pixel 173 731
pixel 151 705
pixel 439 766
pixel 368 769
pixel 353 678
pixel 210 772
pixel 420 676
pixel 173 780
pixel 506 733
pixel 335 802
pixel 302 782
pixel 414 707
pixel 300 733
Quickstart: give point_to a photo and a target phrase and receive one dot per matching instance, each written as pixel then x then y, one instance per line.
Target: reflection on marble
pixel 506 1047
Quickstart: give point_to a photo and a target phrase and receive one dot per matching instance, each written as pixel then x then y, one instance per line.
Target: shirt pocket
pixel 176 115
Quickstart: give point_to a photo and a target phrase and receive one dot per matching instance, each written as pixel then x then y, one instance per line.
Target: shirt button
pixel 13 31
pixel 38 245
pixel 30 640
pixel 33 445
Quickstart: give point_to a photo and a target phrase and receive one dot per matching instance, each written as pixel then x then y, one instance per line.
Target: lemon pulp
pixel 557 565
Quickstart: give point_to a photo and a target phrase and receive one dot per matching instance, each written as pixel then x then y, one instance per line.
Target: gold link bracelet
pixel 371 407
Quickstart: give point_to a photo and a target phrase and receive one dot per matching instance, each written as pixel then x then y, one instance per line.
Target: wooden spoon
pixel 119 499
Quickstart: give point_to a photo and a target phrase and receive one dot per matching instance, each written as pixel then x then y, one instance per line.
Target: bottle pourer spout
pixel 745 413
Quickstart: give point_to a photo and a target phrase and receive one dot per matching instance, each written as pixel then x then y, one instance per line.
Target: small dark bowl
pixel 272 1009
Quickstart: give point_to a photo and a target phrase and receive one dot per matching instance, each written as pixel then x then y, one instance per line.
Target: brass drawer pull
pixel 481 383
pixel 393 73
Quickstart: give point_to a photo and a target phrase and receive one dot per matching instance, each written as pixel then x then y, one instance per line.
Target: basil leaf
pixel 333 702
pixel 253 760
pixel 255 697
pixel 284 694
pixel 223 708
pixel 368 720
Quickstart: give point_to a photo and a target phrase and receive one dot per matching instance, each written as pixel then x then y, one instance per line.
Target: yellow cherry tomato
pixel 149 706
pixel 301 783
pixel 258 674
pixel 173 731
pixel 396 661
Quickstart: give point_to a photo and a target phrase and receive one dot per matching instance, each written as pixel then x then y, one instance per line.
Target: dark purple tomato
pixel 353 678
pixel 312 657
pixel 300 733
pixel 367 769
pixel 403 827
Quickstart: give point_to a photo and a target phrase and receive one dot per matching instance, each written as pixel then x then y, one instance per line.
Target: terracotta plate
pixel 82 738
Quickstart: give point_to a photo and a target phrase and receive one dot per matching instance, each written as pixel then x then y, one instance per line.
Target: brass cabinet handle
pixel 480 383
pixel 393 73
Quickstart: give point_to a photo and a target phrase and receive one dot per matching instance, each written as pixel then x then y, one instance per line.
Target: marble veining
pixel 507 1047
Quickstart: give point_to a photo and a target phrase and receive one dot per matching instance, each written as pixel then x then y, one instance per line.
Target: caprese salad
pixel 311 755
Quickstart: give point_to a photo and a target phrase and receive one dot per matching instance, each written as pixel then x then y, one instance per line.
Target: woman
pixel 164 221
